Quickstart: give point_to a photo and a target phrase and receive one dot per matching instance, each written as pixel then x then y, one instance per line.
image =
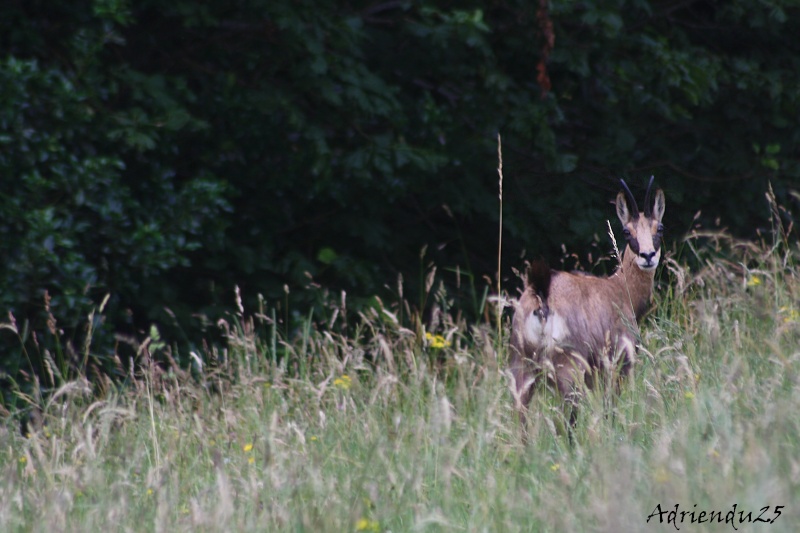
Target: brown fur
pixel 587 322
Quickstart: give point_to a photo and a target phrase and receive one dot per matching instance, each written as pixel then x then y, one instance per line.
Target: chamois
pixel 567 326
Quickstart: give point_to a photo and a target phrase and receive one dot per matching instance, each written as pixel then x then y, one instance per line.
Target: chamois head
pixel 642 231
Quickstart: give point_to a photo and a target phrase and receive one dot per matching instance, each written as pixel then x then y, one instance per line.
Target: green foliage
pixel 164 153
pixel 87 214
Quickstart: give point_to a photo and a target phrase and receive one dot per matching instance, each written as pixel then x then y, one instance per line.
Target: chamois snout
pixel 648 257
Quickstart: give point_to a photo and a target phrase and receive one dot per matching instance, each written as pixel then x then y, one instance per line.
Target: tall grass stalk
pixel 500 239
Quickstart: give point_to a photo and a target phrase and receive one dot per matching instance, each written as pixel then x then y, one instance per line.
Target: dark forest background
pixel 165 152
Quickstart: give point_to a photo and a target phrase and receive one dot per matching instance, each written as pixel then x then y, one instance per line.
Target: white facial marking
pixel 648 257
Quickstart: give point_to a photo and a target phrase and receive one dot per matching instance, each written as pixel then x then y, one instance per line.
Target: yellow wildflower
pixel 365 524
pixel 248 447
pixel 436 341
pixel 313 438
pixel 789 314
pixel 343 382
pixel 689 395
pixel 754 281
pixel 23 459
pixel 555 467
pixel 251 460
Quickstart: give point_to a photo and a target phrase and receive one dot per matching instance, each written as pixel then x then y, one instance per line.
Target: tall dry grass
pixel 409 425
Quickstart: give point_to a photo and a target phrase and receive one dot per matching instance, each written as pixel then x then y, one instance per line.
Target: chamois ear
pixel 622 209
pixel 659 205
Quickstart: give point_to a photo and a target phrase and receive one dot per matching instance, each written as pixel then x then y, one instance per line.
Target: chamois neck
pixel 636 285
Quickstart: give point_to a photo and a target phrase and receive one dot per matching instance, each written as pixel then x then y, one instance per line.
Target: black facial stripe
pixel 634 244
pixel 657 237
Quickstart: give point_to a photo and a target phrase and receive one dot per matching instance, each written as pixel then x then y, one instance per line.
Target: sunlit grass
pixel 393 429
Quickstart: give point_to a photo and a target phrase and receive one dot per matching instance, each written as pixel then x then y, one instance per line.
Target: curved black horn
pixel 647 206
pixel 631 199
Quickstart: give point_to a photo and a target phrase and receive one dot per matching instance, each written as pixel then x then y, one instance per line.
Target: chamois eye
pixel 626 232
pixel 660 230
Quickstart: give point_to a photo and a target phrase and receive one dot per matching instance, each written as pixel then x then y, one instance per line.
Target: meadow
pixel 381 421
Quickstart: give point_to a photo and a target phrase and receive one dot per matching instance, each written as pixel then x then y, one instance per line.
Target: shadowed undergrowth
pixel 395 428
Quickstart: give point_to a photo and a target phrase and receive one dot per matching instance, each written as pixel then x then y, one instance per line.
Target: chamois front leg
pixel 570 370
pixel 524 372
pixel 628 347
